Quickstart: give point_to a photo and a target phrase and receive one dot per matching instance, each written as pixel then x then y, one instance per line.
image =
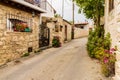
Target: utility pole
pixel 62 8
pixel 73 7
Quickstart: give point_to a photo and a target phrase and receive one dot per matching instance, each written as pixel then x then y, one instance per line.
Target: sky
pixel 57 4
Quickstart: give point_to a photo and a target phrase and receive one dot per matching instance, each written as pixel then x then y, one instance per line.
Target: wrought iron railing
pixel 44 4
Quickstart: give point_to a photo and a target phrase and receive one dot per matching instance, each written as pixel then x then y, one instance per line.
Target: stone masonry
pixel 60 23
pixel 112 25
pixel 15 44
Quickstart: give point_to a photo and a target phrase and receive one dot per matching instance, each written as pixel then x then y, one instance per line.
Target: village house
pixel 82 25
pixel 57 27
pixel 45 31
pixel 81 30
pixel 19 27
pixel 112 25
pixel 68 30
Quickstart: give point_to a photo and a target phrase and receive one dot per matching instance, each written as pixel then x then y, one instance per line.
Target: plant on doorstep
pixel 56 41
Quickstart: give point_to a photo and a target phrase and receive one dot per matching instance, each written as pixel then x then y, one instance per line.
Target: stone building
pixel 19 28
pixel 112 25
pixel 81 30
pixel 68 30
pixel 58 27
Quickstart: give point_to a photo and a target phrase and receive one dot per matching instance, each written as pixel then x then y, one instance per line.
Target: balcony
pixel 42 4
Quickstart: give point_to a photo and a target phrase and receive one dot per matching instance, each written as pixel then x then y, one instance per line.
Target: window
pixel 82 27
pixel 61 28
pixel 56 28
pixel 111 5
pixel 18 23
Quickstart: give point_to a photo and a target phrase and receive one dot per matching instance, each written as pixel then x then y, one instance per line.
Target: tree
pixel 93 9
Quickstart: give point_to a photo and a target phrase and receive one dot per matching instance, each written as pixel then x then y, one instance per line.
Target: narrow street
pixel 69 62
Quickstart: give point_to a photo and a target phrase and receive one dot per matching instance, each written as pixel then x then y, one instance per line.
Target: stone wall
pixel 112 25
pixel 61 34
pixel 69 30
pixel 14 44
pixel 52 22
pixel 78 32
pixel 51 26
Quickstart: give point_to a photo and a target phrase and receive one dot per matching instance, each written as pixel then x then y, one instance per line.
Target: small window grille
pixel 17 23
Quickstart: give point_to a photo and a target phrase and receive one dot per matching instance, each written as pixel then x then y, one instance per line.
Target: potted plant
pixel 27 29
pixel 56 41
pixel 22 27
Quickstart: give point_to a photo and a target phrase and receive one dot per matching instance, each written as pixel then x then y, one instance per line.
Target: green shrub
pixel 26 54
pixel 95 41
pixel 98 46
pixel 99 53
pixel 36 51
pixel 107 41
pixel 56 42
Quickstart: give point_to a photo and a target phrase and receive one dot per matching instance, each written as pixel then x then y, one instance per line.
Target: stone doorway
pixel 44 37
pixel 65 33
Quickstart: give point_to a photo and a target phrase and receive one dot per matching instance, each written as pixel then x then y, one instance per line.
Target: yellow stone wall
pixel 59 22
pixel 78 32
pixel 14 44
pixel 69 30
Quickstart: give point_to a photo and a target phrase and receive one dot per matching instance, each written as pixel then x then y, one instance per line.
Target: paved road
pixel 69 62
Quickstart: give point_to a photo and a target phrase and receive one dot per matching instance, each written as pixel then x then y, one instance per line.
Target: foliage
pixel 25 54
pixel 98 47
pixel 99 53
pixel 37 51
pixel 108 62
pixel 95 41
pixel 93 9
pixel 56 42
pixel 56 15
pixel 22 27
pixel 107 41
